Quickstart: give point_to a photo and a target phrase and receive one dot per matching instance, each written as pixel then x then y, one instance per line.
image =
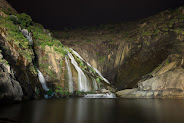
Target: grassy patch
pixel 59 90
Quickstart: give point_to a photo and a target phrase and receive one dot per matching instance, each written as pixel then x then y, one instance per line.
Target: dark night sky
pixel 57 14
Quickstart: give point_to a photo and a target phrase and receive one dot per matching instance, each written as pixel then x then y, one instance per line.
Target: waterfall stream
pixel 42 81
pixel 82 80
pixel 90 66
pixel 84 83
pixel 70 81
pixel 74 52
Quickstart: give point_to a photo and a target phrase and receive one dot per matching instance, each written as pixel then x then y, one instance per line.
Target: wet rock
pixel 27 35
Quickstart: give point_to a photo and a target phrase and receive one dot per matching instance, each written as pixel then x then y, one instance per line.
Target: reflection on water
pixel 80 110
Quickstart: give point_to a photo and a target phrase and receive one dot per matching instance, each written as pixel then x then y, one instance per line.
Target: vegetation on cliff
pixel 14 36
pixel 45 53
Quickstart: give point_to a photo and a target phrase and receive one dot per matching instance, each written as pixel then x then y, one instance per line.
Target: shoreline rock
pixel 167 85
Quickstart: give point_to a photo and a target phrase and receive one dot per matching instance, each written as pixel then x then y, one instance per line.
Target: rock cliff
pixel 10 89
pixel 128 52
pixel 166 81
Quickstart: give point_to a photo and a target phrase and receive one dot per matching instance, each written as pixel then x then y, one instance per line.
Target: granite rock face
pixel 167 81
pixel 168 85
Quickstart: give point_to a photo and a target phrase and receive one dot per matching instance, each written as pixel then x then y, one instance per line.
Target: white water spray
pixel 107 95
pixel 42 81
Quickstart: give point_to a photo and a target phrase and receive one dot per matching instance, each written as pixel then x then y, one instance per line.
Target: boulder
pixel 10 89
pixel 167 81
pixel 167 85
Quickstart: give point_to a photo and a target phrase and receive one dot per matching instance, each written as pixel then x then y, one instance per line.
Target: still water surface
pixel 80 110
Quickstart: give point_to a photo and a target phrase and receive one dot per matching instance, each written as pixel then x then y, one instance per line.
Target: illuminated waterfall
pixel 82 80
pixel 90 66
pixel 70 81
pixel 42 81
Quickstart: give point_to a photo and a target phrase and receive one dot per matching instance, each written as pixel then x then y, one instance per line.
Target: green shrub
pixel 61 91
pixel 25 20
pixel 50 92
pixel 38 25
pixel 78 92
pixel 14 19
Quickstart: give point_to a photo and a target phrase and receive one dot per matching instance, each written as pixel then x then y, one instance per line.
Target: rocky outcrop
pixel 50 62
pixel 10 89
pixel 126 52
pixel 19 54
pixel 168 85
pixel 22 65
pixel 166 81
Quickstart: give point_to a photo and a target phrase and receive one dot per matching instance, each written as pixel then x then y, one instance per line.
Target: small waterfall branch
pixel 70 81
pixel 42 81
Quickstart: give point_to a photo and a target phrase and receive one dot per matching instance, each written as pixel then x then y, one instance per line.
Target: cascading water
pixel 82 80
pixel 42 81
pixel 90 66
pixel 70 81
pixel 74 52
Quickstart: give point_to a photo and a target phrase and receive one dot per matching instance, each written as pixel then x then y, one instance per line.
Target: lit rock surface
pixel 167 85
pixel 167 81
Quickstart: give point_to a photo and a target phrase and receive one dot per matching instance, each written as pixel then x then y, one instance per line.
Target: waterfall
pixel 90 66
pixel 82 80
pixel 74 52
pixel 70 81
pixel 42 81
pixel 99 73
